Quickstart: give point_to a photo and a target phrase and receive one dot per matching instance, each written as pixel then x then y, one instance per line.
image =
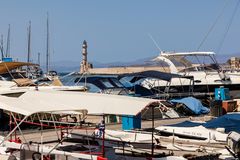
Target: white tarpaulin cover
pixel 53 101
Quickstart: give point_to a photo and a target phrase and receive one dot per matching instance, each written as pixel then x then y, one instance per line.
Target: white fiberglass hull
pixel 202 80
pixel 198 132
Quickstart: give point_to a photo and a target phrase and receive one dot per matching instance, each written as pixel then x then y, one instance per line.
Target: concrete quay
pixel 123 70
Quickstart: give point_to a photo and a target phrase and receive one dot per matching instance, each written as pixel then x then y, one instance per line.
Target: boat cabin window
pixel 117 83
pixel 106 83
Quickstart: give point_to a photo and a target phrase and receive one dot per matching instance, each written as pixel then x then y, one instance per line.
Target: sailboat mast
pixel 47 55
pixel 2 49
pixel 8 43
pixel 29 43
pixel 38 60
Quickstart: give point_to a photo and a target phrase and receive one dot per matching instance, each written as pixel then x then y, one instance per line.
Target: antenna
pixel 8 43
pixel 47 54
pixel 155 43
pixel 29 43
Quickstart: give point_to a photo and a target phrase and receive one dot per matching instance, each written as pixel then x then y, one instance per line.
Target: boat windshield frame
pixel 184 59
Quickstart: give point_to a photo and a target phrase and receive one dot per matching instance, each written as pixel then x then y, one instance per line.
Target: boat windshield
pixel 117 83
pixel 106 83
pixel 208 68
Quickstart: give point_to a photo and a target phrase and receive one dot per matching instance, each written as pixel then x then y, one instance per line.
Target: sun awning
pixel 54 101
pixel 154 74
pixel 5 67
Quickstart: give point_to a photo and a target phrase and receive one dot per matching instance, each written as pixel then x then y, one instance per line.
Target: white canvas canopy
pixel 42 101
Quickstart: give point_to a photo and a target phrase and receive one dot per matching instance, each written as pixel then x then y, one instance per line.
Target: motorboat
pixel 204 68
pixel 216 129
pixel 37 104
pixel 198 133
pixel 15 79
pixel 117 138
pixel 127 84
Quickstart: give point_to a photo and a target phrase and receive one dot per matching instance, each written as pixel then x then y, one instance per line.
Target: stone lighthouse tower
pixel 84 64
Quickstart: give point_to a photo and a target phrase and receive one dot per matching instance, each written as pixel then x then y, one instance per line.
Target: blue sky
pixel 117 30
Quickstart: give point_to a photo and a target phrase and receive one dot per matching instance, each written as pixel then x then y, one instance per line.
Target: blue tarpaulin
pixel 186 124
pixel 228 121
pixel 193 104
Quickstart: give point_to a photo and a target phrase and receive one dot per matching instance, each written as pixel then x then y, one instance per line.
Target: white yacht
pixel 13 80
pixel 202 66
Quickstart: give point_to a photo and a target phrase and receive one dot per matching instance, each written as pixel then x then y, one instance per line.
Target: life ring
pixel 36 156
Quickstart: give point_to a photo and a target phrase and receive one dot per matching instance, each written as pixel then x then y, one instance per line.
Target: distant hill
pixel 71 66
pixel 222 58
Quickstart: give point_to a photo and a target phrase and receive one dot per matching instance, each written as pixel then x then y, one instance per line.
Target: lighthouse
pixel 84 64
